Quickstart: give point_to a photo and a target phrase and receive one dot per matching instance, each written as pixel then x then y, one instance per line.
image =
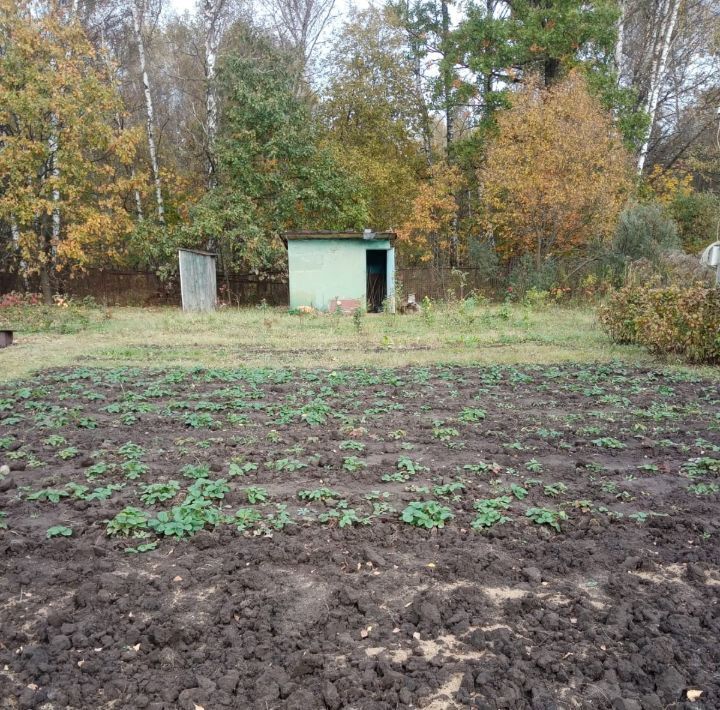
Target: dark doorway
pixel 376 260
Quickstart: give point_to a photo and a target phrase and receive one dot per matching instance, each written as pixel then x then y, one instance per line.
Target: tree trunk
pixel 137 17
pixel 620 43
pixel 211 12
pixel 447 78
pixel 668 11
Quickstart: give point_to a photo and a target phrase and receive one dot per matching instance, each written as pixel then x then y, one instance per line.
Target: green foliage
pixel 472 415
pixel 3 520
pixel 353 463
pixel 489 512
pixel 152 493
pixel 272 172
pixel 554 489
pixel 129 522
pixel 59 531
pixel 642 232
pixel 246 518
pixel 197 471
pixel 696 214
pixel 257 494
pixel 675 319
pixel 426 514
pixel 546 516
pixel 317 494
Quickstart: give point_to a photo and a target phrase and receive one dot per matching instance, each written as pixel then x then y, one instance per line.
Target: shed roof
pixel 328 234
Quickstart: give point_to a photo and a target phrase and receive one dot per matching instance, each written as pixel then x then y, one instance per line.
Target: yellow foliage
pixel 61 150
pixel 667 185
pixel 430 231
pixel 556 176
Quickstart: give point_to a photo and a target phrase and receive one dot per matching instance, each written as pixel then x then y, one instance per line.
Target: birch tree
pixel 137 11
pixel 212 20
pixel 665 21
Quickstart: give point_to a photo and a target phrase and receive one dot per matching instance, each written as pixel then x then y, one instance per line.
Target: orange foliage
pixel 557 175
pixel 430 231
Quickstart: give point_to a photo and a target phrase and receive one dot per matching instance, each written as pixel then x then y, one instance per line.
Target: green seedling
pixel 489 512
pixel 704 489
pixel 353 463
pixel 554 489
pixel 240 469
pixel 129 522
pixel 59 531
pixel 256 494
pixel 69 453
pixel 53 495
pixel 426 514
pixel 546 516
pixel 139 549
pixel 134 469
pixel 534 466
pixel 197 471
pixel 246 518
pixel 607 442
pixel 152 493
pixel 3 520
pixel 317 494
pixel 472 415
pixel 448 489
pixel 352 446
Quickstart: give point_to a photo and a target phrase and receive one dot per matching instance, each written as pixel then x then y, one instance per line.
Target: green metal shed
pixel 341 270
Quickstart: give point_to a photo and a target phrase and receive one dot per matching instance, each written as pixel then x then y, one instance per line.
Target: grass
pixel 261 337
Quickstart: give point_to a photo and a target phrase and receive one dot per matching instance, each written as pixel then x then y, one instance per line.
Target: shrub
pixel 671 319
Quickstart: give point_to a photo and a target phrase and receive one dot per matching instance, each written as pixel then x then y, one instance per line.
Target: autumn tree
pixel 57 108
pixel 428 236
pixel 273 174
pixel 556 175
pixel 373 115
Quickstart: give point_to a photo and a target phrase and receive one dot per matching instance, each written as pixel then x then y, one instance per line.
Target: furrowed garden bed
pixel 272 538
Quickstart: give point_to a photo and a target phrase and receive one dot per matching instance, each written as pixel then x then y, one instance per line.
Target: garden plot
pixel 427 537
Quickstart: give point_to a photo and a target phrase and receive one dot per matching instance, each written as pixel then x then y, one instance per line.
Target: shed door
pixel 376 289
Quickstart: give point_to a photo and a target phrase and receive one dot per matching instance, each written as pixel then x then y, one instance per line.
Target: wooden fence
pixel 137 288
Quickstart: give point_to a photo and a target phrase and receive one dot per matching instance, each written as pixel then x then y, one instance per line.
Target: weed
pixel 3 520
pixel 534 466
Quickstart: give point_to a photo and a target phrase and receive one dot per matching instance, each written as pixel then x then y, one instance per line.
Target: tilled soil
pixel 618 610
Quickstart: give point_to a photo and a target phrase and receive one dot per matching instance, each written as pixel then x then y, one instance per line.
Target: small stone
pixel 532 574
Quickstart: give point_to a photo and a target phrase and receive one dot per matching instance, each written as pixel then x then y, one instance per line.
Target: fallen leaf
pixel 431 565
pixel 693 695
pixel 177 579
pixel 136 647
